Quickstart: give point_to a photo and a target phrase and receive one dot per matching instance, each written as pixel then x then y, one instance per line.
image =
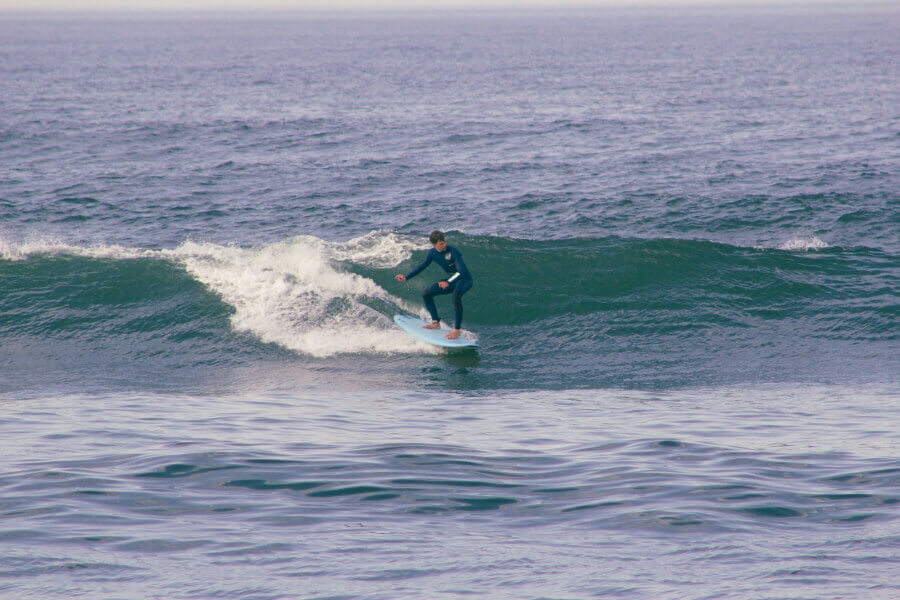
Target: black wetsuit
pixel 460 280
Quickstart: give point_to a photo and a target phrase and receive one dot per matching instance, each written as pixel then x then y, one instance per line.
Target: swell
pixel 89 313
pixel 836 292
pixel 192 294
pixel 79 321
pixel 595 485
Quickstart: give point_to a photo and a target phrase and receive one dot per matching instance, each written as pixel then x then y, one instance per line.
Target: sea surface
pixel 684 229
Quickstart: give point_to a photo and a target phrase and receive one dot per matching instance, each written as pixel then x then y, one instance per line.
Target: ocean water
pixel 684 228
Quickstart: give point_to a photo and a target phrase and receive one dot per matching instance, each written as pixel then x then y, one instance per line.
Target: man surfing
pixel 458 283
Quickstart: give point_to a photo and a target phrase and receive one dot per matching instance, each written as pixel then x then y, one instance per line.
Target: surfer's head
pixel 437 240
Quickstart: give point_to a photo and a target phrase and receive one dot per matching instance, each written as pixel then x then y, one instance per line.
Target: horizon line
pixel 323 6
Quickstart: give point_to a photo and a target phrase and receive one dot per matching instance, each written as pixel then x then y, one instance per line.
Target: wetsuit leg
pixel 459 289
pixel 428 296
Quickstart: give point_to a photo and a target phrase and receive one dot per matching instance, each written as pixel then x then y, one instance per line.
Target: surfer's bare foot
pixel 432 325
pixel 453 334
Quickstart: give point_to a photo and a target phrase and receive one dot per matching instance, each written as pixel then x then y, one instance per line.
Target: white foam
pixel 803 243
pixel 51 246
pixel 292 293
pixel 376 249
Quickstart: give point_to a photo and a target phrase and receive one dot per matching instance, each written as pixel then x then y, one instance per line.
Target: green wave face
pixel 615 312
pixel 76 322
pixel 66 296
pixel 670 285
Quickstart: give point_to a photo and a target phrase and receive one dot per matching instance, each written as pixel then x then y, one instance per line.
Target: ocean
pixel 684 231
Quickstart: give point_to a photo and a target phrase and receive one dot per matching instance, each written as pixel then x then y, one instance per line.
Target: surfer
pixel 458 283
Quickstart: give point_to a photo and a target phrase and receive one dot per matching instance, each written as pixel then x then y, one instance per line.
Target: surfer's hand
pixel 443 285
pixel 400 278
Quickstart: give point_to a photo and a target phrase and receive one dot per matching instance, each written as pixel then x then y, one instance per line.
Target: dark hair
pixel 435 237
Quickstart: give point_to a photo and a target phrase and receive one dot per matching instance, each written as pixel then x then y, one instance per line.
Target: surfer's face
pixel 441 246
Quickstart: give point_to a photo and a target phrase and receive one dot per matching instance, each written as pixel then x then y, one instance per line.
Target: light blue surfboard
pixel 413 327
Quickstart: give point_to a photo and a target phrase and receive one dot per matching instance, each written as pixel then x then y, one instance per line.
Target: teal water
pixel 683 232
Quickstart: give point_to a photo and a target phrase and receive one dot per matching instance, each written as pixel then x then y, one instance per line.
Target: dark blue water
pixel 683 228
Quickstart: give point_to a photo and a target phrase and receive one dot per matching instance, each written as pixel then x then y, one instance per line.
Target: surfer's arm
pixel 421 267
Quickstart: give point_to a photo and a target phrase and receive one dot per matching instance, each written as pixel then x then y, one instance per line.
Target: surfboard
pixel 413 327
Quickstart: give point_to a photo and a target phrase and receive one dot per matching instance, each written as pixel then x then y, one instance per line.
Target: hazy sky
pixel 25 5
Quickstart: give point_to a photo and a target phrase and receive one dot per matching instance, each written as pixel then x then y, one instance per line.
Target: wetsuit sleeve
pixel 421 267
